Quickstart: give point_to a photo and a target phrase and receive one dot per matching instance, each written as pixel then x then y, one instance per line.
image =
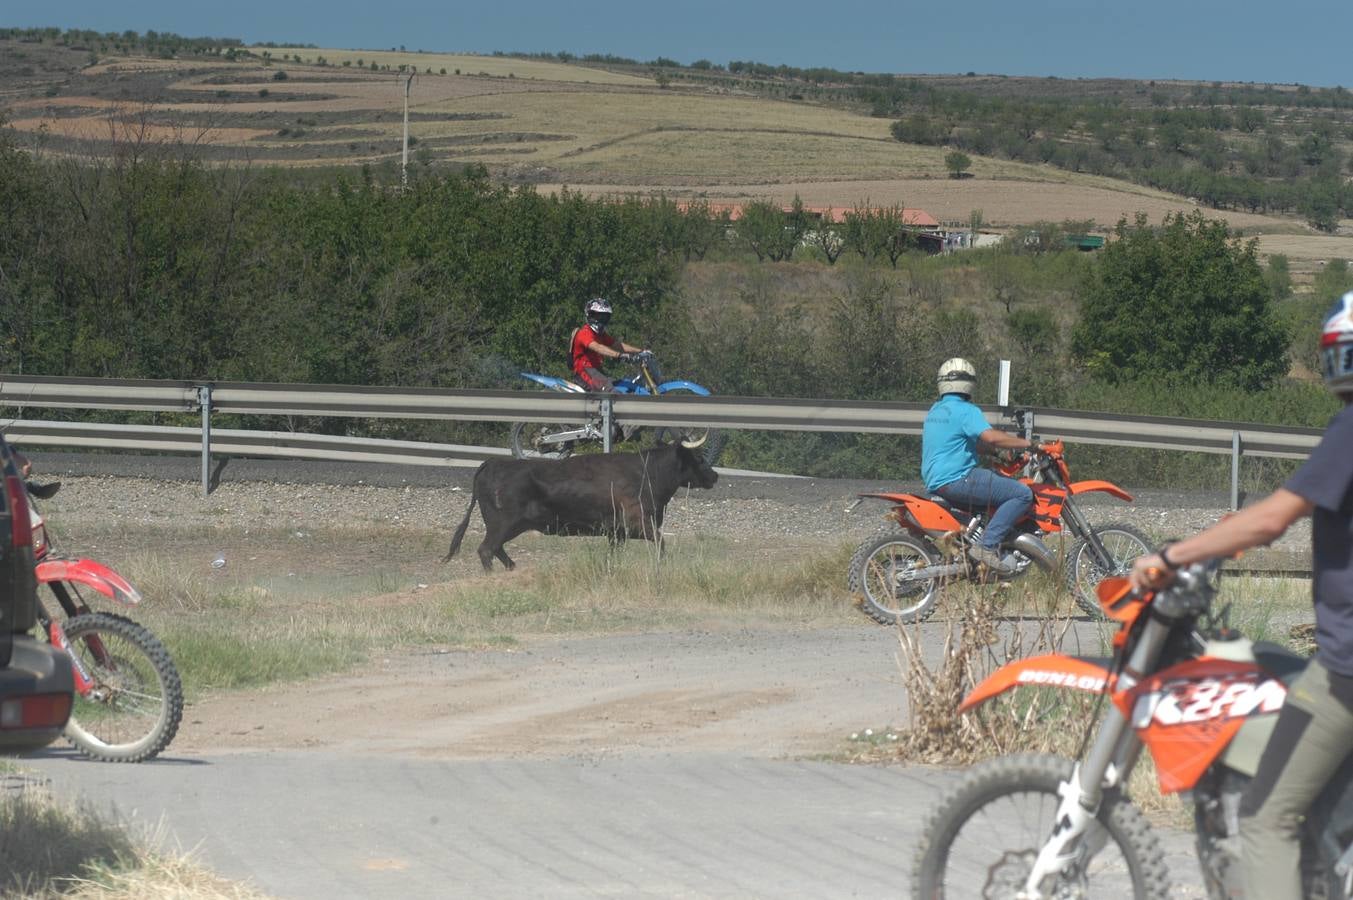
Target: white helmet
pixel 598 314
pixel 957 376
pixel 1336 346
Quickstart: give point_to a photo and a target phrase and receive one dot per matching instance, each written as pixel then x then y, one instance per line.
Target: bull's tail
pixel 465 522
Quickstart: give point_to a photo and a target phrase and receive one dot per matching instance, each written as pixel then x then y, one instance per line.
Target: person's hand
pixel 626 357
pixel 1150 573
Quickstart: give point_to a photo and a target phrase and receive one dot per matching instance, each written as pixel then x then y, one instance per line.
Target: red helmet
pixel 1336 346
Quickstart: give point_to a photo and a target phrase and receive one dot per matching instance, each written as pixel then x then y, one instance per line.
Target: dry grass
pixel 49 849
pixel 226 632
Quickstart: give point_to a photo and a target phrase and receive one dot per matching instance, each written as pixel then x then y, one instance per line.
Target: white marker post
pixel 1003 386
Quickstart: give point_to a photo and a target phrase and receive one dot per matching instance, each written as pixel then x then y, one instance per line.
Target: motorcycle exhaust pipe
pixel 1036 550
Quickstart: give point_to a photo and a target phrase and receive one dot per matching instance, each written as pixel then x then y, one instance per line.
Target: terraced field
pixel 552 124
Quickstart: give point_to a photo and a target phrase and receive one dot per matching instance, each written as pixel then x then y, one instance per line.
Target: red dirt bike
pixel 1201 698
pixel 898 572
pixel 128 695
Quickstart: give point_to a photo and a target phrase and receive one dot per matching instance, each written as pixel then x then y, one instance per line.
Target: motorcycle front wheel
pixel 133 708
pixel 529 441
pixel 1084 572
pixel 983 838
pixel 711 440
pixel 879 573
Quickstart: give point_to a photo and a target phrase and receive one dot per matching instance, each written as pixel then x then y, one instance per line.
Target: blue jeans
pixel 983 489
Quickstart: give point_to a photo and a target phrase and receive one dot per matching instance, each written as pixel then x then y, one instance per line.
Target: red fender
pixel 91 573
pixel 1108 487
pixel 1053 670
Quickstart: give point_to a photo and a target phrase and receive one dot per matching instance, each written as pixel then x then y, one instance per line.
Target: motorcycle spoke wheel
pixel 985 835
pixel 133 709
pixel 1084 571
pixel 879 576
pixel 711 439
pixel 528 441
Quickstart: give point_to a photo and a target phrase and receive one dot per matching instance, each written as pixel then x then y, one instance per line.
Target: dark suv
pixel 36 684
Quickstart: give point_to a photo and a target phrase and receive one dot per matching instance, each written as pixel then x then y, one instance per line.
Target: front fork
pixel 56 636
pixel 1081 528
pixel 1109 762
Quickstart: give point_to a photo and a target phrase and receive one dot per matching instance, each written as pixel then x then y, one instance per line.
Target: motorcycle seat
pixel 1278 661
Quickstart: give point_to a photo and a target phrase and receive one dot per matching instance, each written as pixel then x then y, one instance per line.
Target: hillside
pixel 615 129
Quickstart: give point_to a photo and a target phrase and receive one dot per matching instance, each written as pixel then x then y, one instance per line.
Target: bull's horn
pixel 691 445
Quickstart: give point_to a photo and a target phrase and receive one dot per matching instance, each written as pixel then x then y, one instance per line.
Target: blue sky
pixel 1240 40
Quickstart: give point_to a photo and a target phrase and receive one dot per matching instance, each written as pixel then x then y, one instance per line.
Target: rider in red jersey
pixel 591 344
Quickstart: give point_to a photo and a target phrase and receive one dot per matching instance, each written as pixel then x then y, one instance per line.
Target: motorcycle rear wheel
pixel 993 857
pixel 1124 543
pixel 528 441
pixel 874 575
pixel 134 708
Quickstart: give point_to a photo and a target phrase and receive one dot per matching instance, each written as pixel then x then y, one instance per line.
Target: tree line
pixel 148 264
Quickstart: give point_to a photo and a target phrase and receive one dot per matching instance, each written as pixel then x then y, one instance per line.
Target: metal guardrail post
pixel 204 401
pixel 606 418
pixel 1235 470
pixel 1026 420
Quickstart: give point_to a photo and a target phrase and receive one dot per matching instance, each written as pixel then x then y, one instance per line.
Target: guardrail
pixel 1151 432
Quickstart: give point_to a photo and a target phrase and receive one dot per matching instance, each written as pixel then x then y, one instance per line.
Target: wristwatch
pixel 1165 559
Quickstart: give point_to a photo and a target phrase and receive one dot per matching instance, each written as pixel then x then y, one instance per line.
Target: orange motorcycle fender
pixel 88 572
pixel 1188 714
pixel 1108 487
pixel 1053 670
pixel 928 515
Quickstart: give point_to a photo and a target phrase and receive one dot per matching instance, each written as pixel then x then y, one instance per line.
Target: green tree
pixel 957 163
pixel 1279 277
pixel 1185 302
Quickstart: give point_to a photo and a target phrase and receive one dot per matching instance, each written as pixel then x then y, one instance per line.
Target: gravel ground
pixel 157 491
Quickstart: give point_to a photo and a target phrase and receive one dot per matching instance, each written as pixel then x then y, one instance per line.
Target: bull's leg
pixel 493 546
pixel 487 551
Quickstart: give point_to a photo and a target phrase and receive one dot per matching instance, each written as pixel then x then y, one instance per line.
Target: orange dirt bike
pixel 898 572
pixel 1201 698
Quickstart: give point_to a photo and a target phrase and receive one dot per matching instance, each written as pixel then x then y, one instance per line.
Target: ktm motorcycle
pixel 898 572
pixel 1201 698
pixel 128 694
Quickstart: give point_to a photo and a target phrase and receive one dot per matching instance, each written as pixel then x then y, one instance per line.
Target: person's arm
pixel 1254 525
pixel 994 437
pixel 605 351
pixel 630 348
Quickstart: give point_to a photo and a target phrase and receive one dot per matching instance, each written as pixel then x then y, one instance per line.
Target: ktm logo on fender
pixel 1062 679
pixel 1182 702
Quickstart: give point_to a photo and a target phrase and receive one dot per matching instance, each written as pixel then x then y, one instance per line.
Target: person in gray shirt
pixel 1314 732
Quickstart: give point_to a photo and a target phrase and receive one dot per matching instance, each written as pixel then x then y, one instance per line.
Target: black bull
pixel 620 495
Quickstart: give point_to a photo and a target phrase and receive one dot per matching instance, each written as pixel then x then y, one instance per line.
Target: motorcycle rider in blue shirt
pixel 953 429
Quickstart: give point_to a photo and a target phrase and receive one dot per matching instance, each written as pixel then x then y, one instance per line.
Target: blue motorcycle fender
pixel 553 383
pixel 683 386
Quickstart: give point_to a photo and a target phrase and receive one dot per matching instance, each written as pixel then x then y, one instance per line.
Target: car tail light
pixel 20 525
pixel 39 541
pixel 37 711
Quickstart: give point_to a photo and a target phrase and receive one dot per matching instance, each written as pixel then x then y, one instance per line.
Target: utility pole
pixel 404 162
